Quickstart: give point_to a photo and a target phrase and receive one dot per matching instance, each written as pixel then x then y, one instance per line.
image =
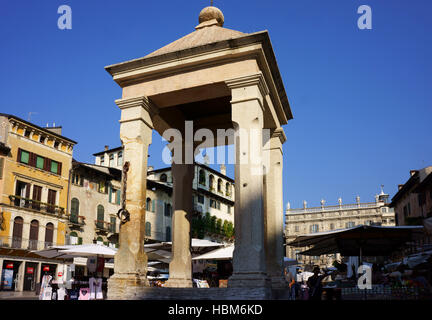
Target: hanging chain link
pixel 123 214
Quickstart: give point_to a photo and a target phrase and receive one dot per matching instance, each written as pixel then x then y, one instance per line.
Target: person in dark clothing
pixel 315 284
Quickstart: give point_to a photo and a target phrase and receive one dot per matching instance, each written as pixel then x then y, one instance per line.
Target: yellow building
pixel 35 164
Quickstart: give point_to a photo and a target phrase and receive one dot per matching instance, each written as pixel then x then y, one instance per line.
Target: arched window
pixel 163 177
pixel 49 234
pixel 34 235
pixel 168 234
pixel 148 229
pixel 202 177
pixel 219 186
pixel 100 216
pixel 228 189
pixel 74 210
pixel 211 182
pixel 148 204
pixel 17 232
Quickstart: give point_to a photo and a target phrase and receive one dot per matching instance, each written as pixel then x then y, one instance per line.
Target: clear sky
pixel 361 99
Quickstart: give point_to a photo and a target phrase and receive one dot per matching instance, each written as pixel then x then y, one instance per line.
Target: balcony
pixel 26 244
pixel 34 205
pixel 76 221
pixel 103 226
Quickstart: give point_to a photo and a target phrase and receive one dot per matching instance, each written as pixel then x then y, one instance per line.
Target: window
pixel 331 226
pixel 211 182
pixel 168 209
pixel 102 188
pixel 148 204
pixel 42 138
pixel 350 224
pixel 148 229
pixel 74 210
pixel 213 203
pixel 34 235
pixel 219 185
pixel 369 222
pixel 163 177
pixel 111 160
pixel 49 234
pixel 383 209
pixel 120 158
pixel 56 144
pixel 314 228
pixel 24 157
pixel 296 229
pixel 228 189
pixel 229 208
pixel 168 234
pixel 100 216
pixel 102 160
pixel 37 196
pixel 99 240
pixel 200 199
pixel 40 162
pixel 27 133
pixel 218 204
pixel 17 232
pixel 113 224
pixel 54 166
pixel 52 197
pixel 202 177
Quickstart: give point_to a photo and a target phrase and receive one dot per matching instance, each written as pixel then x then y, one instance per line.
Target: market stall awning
pixel 218 254
pixel 359 240
pixel 90 250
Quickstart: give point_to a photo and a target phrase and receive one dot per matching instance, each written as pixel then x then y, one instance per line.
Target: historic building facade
pixel 413 201
pixel 34 171
pixel 213 194
pixel 306 220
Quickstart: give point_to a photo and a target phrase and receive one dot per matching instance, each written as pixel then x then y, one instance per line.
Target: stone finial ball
pixel 210 13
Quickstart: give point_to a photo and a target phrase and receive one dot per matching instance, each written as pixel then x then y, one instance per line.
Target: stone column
pixel 180 268
pixel 273 207
pixel 130 262
pixel 249 265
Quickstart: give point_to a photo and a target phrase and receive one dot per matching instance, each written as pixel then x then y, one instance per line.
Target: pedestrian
pixel 315 284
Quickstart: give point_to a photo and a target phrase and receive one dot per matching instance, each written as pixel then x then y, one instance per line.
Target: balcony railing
pixel 334 208
pixel 75 220
pixel 21 243
pixel 104 226
pixel 31 204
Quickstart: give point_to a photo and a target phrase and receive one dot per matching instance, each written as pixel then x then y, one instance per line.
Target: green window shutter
pixel 24 157
pixel 153 205
pixel 40 162
pixel 118 196
pixel 80 240
pixel 110 194
pixel 54 166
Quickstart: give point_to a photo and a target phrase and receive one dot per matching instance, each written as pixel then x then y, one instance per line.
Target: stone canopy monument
pixel 219 79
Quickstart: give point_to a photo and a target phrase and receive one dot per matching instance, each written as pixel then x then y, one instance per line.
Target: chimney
pixel 56 130
pixel 223 169
pixel 106 148
pixel 413 172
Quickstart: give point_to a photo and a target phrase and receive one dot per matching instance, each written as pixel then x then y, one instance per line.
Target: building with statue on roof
pixel 303 221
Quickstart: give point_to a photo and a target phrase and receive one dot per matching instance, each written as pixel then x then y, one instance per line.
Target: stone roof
pixel 206 33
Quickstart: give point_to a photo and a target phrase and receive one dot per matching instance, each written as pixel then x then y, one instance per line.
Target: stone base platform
pixel 156 293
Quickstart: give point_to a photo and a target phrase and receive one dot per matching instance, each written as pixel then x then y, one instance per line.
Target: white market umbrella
pixel 225 253
pixel 90 250
pixel 54 252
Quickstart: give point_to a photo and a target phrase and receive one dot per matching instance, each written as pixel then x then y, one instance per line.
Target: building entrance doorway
pixel 30 276
pixel 9 276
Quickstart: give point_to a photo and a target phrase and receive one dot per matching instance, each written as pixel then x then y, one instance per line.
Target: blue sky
pixel 361 99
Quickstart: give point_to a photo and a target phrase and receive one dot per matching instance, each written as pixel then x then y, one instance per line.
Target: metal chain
pixel 123 214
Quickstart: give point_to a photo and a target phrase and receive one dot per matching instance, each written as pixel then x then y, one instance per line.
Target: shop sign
pixel 30 270
pixel 59 274
pixel 46 268
pixel 9 266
